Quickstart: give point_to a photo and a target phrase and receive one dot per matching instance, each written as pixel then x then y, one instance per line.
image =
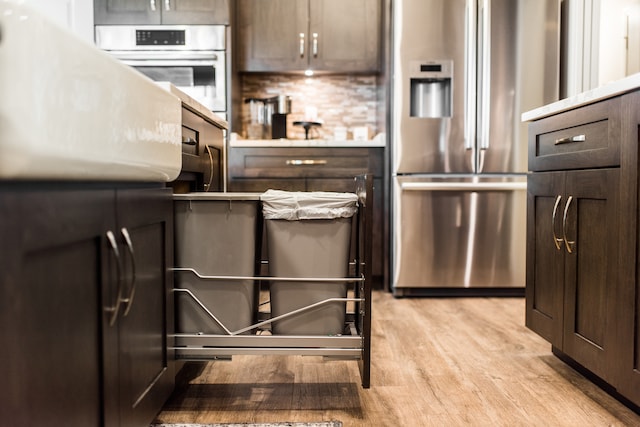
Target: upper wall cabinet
pixel 296 35
pixel 154 12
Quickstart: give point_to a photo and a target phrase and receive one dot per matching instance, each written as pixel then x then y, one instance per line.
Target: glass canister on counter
pixel 257 118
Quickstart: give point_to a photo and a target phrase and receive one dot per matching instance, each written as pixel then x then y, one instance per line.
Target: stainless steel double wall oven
pixel 192 57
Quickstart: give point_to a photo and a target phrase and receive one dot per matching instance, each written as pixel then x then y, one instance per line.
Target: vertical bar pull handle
pixel 113 310
pixel 301 45
pixel 569 244
pixel 167 5
pixel 128 301
pixel 485 67
pixel 556 240
pixel 469 73
pixel 315 45
pixel 152 5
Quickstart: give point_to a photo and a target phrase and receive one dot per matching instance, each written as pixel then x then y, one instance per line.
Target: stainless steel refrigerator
pixel 463 72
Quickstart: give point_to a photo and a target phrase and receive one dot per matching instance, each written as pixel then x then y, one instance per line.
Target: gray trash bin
pixel 308 235
pixel 215 234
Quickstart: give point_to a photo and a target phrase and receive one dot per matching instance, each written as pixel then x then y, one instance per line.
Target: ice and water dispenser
pixel 430 89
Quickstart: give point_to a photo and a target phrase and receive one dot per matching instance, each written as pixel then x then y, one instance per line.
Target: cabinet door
pixel 52 246
pixel 628 304
pixel 591 268
pixel 272 35
pixel 545 255
pixel 122 12
pixel 344 35
pixel 138 340
pixel 195 12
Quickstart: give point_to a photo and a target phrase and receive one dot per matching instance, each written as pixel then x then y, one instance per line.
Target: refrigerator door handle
pixel 470 98
pixel 463 186
pixel 485 73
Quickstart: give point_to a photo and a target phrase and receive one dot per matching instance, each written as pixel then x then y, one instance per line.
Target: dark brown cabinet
pixel 571 299
pixel 256 169
pixel 582 233
pixel 84 303
pixel 155 12
pixel 295 35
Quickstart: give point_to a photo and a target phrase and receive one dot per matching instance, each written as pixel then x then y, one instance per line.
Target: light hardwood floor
pixel 435 362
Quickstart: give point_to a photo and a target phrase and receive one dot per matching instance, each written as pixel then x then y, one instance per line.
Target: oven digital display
pixel 160 37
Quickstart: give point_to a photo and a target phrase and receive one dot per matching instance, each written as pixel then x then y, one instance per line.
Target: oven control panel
pixel 160 37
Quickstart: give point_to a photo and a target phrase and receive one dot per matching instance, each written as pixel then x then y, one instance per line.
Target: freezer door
pixel 459 233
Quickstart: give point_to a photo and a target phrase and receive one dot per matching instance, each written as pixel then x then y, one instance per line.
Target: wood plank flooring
pixel 435 362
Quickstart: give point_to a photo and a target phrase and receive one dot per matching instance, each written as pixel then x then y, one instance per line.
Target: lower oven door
pixel 201 75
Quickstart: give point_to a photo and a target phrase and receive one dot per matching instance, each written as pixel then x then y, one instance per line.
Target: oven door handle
pixel 169 63
pixel 167 55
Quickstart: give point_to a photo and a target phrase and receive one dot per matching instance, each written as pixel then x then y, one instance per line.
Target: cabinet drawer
pixel 586 137
pixel 302 163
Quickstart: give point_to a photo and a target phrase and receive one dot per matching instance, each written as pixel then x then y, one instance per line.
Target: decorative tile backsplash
pixel 347 101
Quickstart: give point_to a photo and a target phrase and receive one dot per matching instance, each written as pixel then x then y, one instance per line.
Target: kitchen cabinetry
pixel 155 12
pixel 257 169
pixel 575 273
pixel 85 303
pixel 295 35
pixel 581 290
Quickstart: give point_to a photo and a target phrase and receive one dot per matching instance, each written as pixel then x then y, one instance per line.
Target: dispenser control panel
pixel 431 68
pixel 430 89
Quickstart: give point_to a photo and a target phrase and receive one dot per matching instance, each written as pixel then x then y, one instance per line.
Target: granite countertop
pixel 378 141
pixel 618 87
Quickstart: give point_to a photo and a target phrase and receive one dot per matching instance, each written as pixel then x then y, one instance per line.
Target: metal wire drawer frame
pixel 354 343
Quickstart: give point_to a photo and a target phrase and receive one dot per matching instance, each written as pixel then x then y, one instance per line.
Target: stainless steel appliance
pixel 463 71
pixel 192 57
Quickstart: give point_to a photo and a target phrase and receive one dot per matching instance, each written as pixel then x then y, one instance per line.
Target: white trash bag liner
pixel 297 205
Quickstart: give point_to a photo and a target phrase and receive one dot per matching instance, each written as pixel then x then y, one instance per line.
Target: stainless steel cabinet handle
pixel 569 139
pixel 301 45
pixel 114 309
pixel 556 240
pixel 569 244
pixel 189 141
pixel 315 45
pixel 302 162
pixel 167 5
pixel 128 301
pixel 152 5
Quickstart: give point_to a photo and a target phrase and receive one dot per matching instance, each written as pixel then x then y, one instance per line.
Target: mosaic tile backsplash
pixel 336 101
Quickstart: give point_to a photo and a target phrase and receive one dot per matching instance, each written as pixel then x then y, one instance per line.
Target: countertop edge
pixel 618 87
pixel 194 105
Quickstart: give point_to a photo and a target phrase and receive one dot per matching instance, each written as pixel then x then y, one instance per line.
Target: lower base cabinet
pixel 85 303
pixel 572 283
pixel 583 229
